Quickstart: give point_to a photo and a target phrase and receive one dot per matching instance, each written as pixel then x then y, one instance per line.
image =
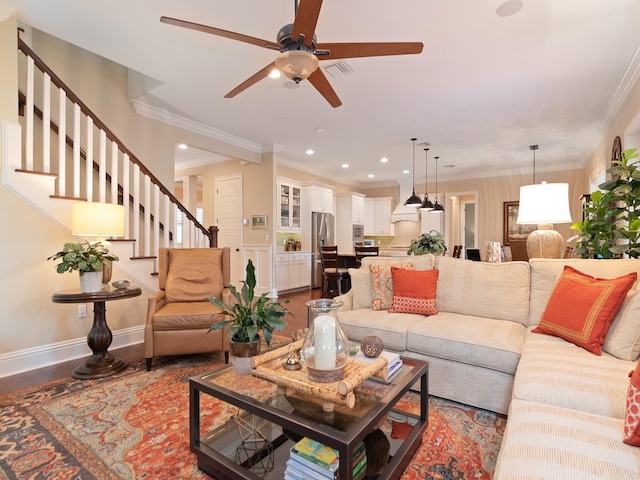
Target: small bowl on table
pixel 121 284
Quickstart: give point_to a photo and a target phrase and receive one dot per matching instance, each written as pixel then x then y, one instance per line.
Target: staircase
pixel 61 153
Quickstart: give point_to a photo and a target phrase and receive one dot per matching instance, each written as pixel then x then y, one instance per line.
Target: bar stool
pixel 335 280
pixel 365 252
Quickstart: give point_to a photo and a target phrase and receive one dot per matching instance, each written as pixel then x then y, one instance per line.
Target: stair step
pixel 151 257
pixel 113 240
pixel 36 172
pixel 62 197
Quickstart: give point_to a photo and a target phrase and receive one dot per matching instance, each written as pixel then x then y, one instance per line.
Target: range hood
pixel 402 212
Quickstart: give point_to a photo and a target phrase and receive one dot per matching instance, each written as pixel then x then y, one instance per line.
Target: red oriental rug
pixel 136 425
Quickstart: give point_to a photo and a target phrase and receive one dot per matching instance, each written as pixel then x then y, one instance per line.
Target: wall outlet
pixel 82 310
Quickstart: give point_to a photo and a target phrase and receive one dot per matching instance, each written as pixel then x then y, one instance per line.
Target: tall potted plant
pixel 248 317
pixel 86 258
pixel 432 242
pixel 611 225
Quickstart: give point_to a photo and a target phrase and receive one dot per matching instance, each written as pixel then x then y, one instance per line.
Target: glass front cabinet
pixel 289 205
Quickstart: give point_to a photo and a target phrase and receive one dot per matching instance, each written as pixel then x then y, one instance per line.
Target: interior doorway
pixel 461 228
pixel 468 225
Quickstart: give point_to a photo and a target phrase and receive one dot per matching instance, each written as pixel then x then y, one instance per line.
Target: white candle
pixel 325 342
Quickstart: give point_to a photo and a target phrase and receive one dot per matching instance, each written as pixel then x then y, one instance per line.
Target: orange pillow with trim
pixel 581 308
pixel 632 418
pixel 414 291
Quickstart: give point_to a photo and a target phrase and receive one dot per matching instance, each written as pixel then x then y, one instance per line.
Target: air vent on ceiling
pixel 338 69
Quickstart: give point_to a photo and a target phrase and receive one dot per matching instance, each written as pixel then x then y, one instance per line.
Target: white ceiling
pixel 484 88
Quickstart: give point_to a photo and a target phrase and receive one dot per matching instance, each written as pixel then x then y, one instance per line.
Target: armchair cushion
pixel 186 316
pixel 194 275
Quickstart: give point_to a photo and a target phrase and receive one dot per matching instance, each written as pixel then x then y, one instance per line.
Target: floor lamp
pixel 97 219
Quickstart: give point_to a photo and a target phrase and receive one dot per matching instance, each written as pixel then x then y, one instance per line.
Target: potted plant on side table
pixel 86 258
pixel 248 317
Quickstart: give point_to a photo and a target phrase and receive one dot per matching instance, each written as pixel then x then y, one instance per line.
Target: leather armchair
pixel 179 314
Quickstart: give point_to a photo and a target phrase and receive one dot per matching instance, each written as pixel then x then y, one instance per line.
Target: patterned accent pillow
pixel 632 418
pixel 382 284
pixel 581 308
pixel 414 291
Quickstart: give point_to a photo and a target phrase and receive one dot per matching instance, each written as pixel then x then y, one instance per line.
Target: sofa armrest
pixel 347 299
pixel 227 297
pixel 155 303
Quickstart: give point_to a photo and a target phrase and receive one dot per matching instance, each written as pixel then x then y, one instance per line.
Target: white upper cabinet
pixel 321 199
pixel 289 205
pixel 377 216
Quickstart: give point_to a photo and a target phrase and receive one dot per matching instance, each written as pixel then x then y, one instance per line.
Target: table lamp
pixel 544 204
pixel 97 219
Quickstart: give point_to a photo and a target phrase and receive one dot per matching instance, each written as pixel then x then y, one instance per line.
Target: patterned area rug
pixel 136 425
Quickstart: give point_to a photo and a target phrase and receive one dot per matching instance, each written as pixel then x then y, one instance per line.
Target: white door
pixel 228 209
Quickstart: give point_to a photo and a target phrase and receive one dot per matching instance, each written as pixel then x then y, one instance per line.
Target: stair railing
pixel 121 177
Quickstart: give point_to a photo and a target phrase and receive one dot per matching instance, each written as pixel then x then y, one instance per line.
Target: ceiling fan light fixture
pixel 297 65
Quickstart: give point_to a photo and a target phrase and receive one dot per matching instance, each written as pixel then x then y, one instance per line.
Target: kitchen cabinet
pixel 293 270
pixel 377 216
pixel 430 220
pixel 349 211
pixel 321 199
pixel 289 205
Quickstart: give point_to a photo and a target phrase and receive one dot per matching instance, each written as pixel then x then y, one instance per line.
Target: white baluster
pixel 102 167
pixel 62 143
pixel 114 174
pixel 167 221
pixel 156 216
pixel 76 150
pixel 135 210
pixel 126 167
pixel 28 146
pixel 46 123
pixel 89 161
pixel 147 216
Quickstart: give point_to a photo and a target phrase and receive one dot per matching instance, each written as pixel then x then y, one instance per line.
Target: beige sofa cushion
pixel 361 277
pixel 392 328
pixel 545 273
pixel 560 373
pixel 484 342
pixel 550 442
pixel 623 338
pixel 492 290
pixel 194 274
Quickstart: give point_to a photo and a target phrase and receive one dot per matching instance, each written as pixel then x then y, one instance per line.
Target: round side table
pixel 101 363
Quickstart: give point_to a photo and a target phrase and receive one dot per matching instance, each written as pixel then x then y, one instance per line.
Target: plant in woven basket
pixel 250 315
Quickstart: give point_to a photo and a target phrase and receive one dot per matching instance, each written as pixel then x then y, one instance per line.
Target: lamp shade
pixel 297 64
pixel 544 203
pixel 97 219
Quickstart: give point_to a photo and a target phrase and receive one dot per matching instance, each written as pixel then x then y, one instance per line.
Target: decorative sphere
pixel 371 346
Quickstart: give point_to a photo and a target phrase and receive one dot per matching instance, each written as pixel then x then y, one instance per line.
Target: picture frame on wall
pixel 512 232
pixel 258 221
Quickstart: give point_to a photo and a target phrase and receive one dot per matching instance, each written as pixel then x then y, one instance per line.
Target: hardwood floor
pixel 297 319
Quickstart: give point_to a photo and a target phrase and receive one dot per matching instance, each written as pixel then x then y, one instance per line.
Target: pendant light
pixel 413 200
pixel 436 204
pixel 426 203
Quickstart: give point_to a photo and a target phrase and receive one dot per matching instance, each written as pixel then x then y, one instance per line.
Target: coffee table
pixel 293 415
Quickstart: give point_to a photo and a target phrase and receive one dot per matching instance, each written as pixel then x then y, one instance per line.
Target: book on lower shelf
pixel 310 459
pixel 394 362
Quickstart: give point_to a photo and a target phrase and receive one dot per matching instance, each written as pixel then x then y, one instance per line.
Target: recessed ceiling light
pixel 275 73
pixel 320 130
pixel 405 171
pixel 182 146
pixel 371 175
pixel 384 160
pixel 509 8
pixel 310 152
pixel 345 165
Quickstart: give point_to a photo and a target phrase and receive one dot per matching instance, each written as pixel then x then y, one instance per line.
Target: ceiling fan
pixel 299 51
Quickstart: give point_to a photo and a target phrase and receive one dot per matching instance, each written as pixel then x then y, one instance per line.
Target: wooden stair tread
pixel 36 172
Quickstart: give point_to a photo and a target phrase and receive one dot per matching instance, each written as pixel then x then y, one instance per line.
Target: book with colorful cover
pixel 322 455
pixel 321 462
pixel 300 469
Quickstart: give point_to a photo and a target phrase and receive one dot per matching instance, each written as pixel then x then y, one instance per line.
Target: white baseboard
pixel 32 358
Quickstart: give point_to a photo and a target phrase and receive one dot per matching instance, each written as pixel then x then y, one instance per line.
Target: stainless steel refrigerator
pixel 321 234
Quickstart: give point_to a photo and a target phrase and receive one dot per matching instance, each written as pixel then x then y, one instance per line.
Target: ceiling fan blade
pixel 251 80
pixel 306 20
pixel 319 80
pixel 221 33
pixel 373 49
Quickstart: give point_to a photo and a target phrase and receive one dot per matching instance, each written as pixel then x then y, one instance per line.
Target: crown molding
pixel 169 118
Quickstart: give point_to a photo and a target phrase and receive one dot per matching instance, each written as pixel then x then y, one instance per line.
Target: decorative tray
pixel 270 366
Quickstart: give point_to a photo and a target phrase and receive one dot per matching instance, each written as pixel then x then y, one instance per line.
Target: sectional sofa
pixel 565 405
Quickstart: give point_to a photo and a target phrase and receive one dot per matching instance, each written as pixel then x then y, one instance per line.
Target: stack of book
pixel 313 460
pixel 394 362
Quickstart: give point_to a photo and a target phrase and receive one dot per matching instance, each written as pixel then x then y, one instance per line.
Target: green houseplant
pixel 611 224
pixel 249 316
pixel 432 242
pixel 88 258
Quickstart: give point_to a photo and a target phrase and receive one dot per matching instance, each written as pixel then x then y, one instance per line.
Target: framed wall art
pixel 258 221
pixel 512 231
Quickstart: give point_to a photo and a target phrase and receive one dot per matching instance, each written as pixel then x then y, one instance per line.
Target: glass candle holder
pixel 325 349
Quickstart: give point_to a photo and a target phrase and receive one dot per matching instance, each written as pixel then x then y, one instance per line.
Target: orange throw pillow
pixel 632 419
pixel 414 291
pixel 581 308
